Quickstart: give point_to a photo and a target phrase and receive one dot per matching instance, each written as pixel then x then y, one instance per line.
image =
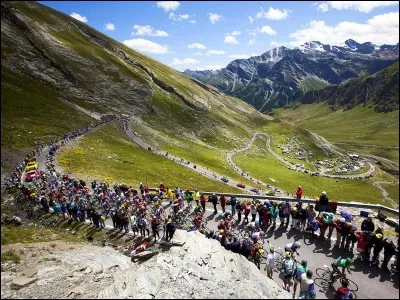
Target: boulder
pixel 20 282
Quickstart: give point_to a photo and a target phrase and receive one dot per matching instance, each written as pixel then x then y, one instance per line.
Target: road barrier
pixel 305 200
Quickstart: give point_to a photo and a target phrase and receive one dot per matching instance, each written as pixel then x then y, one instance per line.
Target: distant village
pixel 296 149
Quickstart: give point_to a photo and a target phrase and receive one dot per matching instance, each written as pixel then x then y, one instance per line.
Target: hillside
pixel 52 63
pixel 380 89
pixel 59 269
pixel 282 75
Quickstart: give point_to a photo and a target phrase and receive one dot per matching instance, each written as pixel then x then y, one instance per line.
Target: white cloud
pixel 79 17
pixel 380 29
pixel 143 45
pixel 210 52
pixel 251 19
pixel 214 18
pixel 277 44
pixel 179 18
pixel 242 56
pixel 168 5
pixel 192 21
pixel 209 67
pixel 185 61
pixel 230 39
pixel 252 41
pixel 148 30
pixel 196 46
pixel 109 27
pixel 235 32
pixel 361 6
pixel 198 53
pixel 273 14
pixel 267 30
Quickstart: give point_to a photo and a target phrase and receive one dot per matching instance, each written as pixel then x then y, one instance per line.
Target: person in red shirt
pixel 343 292
pixel 299 192
pixel 246 212
pixel 162 187
pixel 203 201
pixel 222 201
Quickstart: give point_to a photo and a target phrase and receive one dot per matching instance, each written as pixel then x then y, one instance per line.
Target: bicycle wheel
pixel 245 234
pixel 352 285
pixel 323 273
pixel 322 282
pixel 354 295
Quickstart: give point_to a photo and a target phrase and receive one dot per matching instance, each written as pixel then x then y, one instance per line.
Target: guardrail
pixel 305 200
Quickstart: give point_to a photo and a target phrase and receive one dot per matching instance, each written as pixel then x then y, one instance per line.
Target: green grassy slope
pixel 263 165
pixel 106 154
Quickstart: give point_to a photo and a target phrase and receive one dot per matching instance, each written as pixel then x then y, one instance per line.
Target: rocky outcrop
pixel 195 267
pixel 201 268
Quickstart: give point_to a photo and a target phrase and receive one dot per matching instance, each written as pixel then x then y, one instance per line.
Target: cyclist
pixel 292 248
pixel 198 209
pixel 298 271
pixel 256 248
pixel 343 292
pixel 287 267
pixel 344 263
pixel 255 236
pixel 197 220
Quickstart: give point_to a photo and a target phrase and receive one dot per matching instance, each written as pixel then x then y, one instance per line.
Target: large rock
pixel 201 268
pixel 20 282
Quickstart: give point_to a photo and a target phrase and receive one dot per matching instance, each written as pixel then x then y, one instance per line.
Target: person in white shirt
pixel 307 290
pixel 269 267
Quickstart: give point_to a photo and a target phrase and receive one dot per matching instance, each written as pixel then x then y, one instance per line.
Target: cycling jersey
pixel 287 265
pixel 340 262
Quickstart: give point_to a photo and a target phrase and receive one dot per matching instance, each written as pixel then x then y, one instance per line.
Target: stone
pixel 20 282
pixel 30 272
pixel 78 290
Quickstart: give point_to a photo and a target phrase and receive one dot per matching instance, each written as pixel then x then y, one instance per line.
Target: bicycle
pixel 325 278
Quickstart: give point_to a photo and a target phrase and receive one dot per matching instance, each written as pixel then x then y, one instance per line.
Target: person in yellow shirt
pixel 196 196
pixel 169 195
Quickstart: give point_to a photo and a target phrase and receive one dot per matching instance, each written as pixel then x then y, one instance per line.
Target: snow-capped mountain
pixel 281 75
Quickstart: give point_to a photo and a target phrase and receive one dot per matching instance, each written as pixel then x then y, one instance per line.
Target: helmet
pixel 349 261
pixel 342 220
pixel 288 254
pixel 221 231
pixel 323 193
pixel 379 236
pixel 297 245
pixel 304 262
pixel 213 194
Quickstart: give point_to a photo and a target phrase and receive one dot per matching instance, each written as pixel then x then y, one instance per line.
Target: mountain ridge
pixel 282 75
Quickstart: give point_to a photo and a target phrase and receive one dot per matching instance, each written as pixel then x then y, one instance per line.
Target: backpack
pixel 345 296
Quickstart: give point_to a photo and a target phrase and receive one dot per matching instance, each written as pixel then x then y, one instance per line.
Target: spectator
pixel 299 192
pixel 233 205
pixel 253 211
pixel 323 203
pixel 368 225
pixel 246 212
pixel 214 200
pixel 389 250
pixel 239 208
pixel 203 201
pixel 222 201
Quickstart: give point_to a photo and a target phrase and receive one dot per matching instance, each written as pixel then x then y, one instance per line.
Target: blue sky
pixel 208 35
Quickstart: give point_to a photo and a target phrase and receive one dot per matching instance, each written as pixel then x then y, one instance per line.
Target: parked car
pixel 277 190
pixel 31 175
pixel 255 190
pixel 224 179
pixel 33 165
pixel 241 185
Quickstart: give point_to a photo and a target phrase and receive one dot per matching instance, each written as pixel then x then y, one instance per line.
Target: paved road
pixel 199 169
pixel 372 281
